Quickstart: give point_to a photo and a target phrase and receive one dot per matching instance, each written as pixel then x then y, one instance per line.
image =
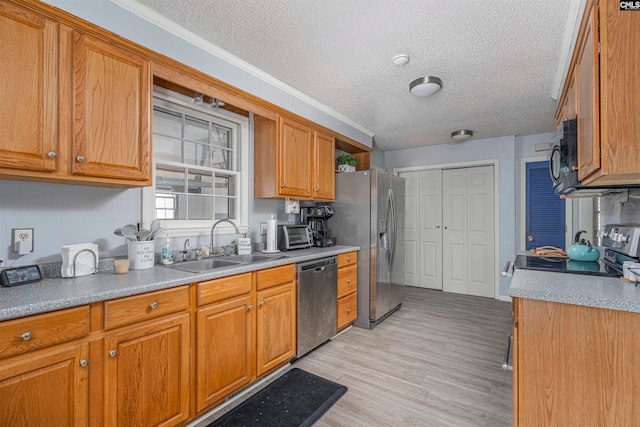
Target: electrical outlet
pixel 21 234
pixel 263 228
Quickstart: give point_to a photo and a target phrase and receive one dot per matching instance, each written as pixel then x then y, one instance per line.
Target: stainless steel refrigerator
pixel 369 212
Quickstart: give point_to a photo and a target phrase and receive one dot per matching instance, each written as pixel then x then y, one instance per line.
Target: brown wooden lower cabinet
pixel 575 365
pixel 225 349
pixel 45 388
pixel 147 374
pixel 347 289
pixel 276 326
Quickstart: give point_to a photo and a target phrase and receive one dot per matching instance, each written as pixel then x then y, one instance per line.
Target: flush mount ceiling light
pixel 401 60
pixel 425 86
pixel 461 135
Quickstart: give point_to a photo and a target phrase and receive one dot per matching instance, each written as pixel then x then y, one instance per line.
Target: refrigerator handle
pixel 392 226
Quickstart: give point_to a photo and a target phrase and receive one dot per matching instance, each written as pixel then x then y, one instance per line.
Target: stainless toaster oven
pixel 294 236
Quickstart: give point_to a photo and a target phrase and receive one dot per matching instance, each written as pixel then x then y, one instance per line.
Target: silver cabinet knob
pixel 262 303
pixel 282 185
pixel 26 336
pixel 348 311
pixel 52 154
pixel 250 307
pixel 84 363
pixel 529 238
pixel 154 305
pixel 80 159
pixel 113 353
pixel 349 259
pixel 317 190
pixel 348 282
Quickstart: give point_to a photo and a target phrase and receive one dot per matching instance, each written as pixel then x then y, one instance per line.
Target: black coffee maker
pixel 316 217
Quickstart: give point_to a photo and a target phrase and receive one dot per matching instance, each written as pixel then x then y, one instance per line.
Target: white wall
pixel 501 149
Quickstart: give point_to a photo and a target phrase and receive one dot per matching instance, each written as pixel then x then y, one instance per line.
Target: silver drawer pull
pixel 250 307
pixel 113 353
pixel 52 154
pixel 262 303
pixel 84 363
pixel 26 336
pixel 154 305
pixel 80 159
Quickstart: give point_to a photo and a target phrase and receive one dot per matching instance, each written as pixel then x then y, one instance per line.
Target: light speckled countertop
pixel 55 294
pixel 577 289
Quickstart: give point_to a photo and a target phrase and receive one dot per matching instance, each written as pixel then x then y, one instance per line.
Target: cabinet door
pixel 45 390
pixel 276 334
pixel 147 374
pixel 111 115
pixel 324 169
pixel 295 159
pixel 28 111
pixel 226 349
pixel 588 105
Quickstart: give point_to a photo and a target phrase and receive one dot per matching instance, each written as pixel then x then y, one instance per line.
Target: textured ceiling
pixel 497 58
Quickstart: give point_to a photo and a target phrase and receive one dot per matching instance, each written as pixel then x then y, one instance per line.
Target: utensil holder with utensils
pixel 141 254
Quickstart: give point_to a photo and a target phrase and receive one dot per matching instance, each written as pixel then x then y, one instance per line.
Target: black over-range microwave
pixel 563 166
pixel 563 160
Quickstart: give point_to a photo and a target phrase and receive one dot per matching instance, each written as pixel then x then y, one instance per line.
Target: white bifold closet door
pixel 468 236
pixel 450 236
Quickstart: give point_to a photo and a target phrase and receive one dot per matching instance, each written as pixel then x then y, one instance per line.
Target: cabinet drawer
pixel 137 308
pixel 347 310
pixel 347 259
pixel 227 287
pixel 347 280
pixel 276 276
pixel 34 332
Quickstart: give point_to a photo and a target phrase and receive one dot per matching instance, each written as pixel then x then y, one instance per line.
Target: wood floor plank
pixel 435 362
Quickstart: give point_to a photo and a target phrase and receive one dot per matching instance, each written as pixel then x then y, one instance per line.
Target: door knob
pixel 529 238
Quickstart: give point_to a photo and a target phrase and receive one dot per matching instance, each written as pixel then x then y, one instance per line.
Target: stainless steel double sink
pixel 207 264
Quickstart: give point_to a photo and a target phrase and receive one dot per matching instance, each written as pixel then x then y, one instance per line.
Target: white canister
pixel 141 254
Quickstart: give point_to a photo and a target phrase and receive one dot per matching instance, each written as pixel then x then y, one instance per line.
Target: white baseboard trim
pixel 504 298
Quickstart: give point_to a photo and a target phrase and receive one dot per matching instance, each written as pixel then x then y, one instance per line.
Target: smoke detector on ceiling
pixel 401 60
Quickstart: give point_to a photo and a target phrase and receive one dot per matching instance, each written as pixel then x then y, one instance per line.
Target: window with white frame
pixel 200 158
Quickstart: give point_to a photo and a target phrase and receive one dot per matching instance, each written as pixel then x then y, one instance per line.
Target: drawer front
pixel 276 276
pixel 347 310
pixel 347 280
pixel 227 287
pixel 34 332
pixel 347 259
pixel 137 308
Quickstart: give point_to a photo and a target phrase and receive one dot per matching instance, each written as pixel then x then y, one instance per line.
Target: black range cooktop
pixel 562 265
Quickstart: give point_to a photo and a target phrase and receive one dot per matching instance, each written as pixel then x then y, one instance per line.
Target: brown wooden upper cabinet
pixel 29 111
pixel 110 111
pixel 605 63
pixel 292 160
pixel 77 108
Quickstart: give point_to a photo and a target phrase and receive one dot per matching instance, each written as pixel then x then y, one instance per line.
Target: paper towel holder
pixel 75 258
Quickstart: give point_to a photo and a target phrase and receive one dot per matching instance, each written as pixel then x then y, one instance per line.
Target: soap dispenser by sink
pixel 582 250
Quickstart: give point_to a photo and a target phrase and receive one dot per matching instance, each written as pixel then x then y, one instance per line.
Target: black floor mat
pixel 298 399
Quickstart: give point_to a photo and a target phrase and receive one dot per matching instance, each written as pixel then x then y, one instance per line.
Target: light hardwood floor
pixel 436 362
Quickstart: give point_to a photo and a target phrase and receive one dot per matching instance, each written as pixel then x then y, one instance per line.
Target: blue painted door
pixel 545 210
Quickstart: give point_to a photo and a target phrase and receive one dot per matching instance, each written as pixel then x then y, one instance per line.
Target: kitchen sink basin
pixel 253 258
pixel 203 265
pixel 221 262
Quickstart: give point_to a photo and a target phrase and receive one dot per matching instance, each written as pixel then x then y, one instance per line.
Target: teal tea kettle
pixel 582 250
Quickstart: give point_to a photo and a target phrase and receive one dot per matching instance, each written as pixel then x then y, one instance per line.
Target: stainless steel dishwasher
pixel 317 303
